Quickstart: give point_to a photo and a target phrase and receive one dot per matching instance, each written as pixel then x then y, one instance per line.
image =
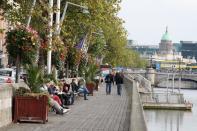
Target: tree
pixel 102 18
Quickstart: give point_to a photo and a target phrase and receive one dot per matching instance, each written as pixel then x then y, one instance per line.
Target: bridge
pixel 182 80
pixel 100 113
pixel 176 79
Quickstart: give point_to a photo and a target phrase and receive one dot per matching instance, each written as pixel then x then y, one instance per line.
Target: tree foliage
pixel 106 35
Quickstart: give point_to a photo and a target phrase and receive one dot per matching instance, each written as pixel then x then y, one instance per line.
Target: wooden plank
pixel 100 112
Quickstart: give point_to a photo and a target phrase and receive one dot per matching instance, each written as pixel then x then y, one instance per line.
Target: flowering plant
pixel 22 42
pixel 59 52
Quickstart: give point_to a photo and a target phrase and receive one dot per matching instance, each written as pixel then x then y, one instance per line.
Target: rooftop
pixel 166 36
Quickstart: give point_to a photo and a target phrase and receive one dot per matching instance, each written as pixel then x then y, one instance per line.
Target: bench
pixel 77 94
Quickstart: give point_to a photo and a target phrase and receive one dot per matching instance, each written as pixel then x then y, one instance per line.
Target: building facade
pixel 166 45
pixel 170 55
pixel 189 49
pixel 146 50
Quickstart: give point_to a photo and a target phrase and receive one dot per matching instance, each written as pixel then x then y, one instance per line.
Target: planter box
pixel 90 87
pixel 29 108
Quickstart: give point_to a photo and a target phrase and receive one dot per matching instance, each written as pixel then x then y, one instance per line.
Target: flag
pixel 82 45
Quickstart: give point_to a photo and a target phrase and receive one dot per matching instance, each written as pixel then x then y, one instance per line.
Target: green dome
pixel 166 36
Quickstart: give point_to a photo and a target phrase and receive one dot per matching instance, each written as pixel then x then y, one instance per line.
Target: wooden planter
pixel 90 87
pixel 29 108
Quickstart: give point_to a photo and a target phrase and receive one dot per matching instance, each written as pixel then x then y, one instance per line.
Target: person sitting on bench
pixel 82 88
pixel 74 85
pixel 54 104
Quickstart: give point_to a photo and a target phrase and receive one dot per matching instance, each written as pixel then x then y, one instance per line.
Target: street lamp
pixel 179 60
pixel 65 9
pixel 59 21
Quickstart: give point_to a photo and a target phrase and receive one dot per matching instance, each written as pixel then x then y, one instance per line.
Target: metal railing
pixel 167 98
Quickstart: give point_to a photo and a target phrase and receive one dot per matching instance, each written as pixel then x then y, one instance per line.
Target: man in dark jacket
pixel 119 81
pixel 108 81
pixel 74 85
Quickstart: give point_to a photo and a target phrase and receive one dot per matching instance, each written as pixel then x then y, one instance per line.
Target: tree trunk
pixel 17 68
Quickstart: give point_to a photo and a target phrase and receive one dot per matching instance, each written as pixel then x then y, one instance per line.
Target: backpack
pixel 107 79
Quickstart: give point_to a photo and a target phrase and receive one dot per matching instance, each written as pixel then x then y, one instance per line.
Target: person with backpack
pixel 108 81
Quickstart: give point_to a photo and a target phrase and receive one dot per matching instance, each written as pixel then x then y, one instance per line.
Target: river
pixel 171 120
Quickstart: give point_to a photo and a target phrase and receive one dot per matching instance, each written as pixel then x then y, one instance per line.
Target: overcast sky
pixel 146 20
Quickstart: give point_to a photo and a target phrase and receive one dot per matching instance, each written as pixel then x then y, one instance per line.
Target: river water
pixel 171 120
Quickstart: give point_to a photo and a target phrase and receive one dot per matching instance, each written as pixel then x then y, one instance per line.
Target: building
pixel 189 49
pixel 176 47
pixel 166 45
pixel 129 43
pixel 169 55
pixel 146 50
pixel 3 55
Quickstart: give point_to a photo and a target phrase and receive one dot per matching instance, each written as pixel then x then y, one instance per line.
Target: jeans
pixel 108 88
pixel 55 105
pixel 85 91
pixel 119 89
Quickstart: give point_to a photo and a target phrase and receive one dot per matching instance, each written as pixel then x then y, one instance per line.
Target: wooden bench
pixel 77 95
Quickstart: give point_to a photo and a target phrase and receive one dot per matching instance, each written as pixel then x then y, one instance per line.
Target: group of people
pixel 111 79
pixel 63 94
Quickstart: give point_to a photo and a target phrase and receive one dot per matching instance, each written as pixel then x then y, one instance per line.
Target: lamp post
pixel 59 22
pixel 65 9
pixel 50 24
pixel 29 18
pixel 179 74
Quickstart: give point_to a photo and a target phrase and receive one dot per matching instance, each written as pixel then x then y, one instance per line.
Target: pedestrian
pixel 119 82
pixel 108 81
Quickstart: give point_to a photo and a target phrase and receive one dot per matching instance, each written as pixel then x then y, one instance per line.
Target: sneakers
pixel 65 107
pixel 63 111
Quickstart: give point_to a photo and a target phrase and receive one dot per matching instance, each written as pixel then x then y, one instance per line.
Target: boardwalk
pixel 100 113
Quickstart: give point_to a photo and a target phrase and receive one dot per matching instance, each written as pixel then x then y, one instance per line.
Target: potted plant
pixel 22 44
pixel 32 104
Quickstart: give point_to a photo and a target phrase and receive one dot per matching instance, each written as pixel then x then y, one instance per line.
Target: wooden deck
pixel 100 113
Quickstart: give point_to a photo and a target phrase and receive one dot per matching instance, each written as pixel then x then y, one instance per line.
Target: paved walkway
pixel 100 113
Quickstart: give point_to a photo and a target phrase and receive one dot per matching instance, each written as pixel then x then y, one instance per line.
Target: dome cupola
pixel 166 36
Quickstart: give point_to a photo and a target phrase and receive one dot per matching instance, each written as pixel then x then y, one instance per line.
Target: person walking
pixel 119 82
pixel 108 81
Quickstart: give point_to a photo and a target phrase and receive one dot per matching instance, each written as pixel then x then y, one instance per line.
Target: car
pixel 7 75
pixel 22 72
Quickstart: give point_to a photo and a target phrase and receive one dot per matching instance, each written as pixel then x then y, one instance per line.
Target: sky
pixel 146 20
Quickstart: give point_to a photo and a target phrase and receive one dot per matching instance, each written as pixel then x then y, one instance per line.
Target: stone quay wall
pixel 6 94
pixel 137 118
